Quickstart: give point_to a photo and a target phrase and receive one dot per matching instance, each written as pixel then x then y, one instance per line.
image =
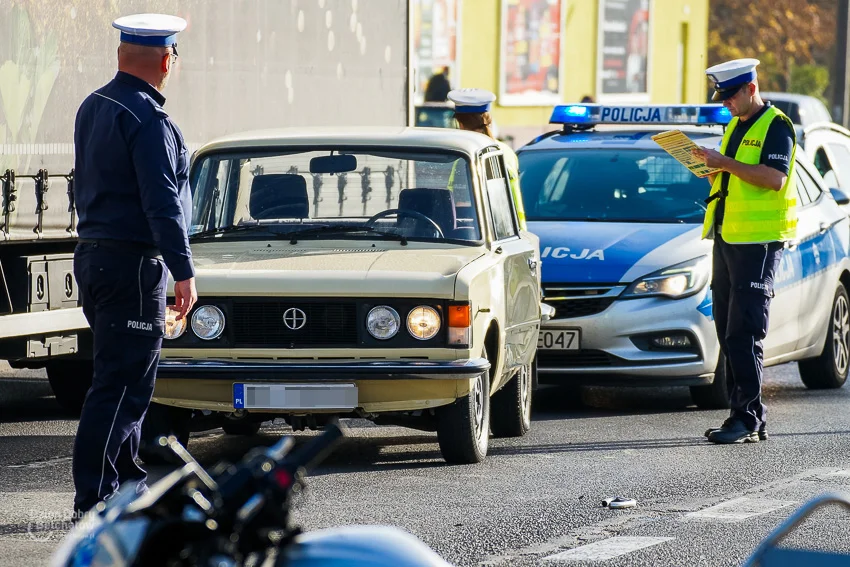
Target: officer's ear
pixel 165 63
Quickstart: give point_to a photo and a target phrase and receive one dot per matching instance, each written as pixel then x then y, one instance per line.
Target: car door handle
pixel 532 264
pixel 823 227
pixel 792 244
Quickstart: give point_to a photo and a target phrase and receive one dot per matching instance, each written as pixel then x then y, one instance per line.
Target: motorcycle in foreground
pixel 235 515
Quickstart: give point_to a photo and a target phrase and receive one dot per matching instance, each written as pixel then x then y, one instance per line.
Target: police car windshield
pixel 249 195
pixel 616 185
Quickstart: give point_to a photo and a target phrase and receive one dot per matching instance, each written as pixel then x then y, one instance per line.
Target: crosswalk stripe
pixel 607 548
pixel 739 509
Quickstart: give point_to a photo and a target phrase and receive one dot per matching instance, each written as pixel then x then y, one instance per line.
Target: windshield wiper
pixel 240 228
pixel 326 229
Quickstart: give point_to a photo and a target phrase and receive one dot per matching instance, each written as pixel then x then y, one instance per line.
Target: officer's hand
pixel 185 296
pixel 712 158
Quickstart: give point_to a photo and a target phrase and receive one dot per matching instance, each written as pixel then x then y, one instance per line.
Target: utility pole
pixel 841 83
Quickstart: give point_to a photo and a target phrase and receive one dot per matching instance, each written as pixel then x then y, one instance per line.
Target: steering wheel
pixel 405 212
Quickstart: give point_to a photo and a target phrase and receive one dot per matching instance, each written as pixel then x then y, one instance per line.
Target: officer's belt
pixel 127 246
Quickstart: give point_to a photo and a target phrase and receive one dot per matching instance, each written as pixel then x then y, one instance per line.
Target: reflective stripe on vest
pixel 754 214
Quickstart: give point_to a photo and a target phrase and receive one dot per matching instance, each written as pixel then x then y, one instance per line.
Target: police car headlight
pixel 383 322
pixel 681 280
pixel 423 322
pixel 208 322
pixel 173 327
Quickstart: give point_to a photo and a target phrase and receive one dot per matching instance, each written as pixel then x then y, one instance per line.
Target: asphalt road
pixel 533 498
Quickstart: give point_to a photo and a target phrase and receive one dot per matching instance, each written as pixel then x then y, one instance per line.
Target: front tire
pixel 161 420
pixel 510 414
pixel 463 427
pixel 716 394
pixel 70 381
pixel 829 370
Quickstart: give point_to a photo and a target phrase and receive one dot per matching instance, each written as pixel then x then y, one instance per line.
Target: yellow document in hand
pixel 680 147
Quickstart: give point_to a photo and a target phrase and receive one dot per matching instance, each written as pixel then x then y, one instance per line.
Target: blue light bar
pixel 591 114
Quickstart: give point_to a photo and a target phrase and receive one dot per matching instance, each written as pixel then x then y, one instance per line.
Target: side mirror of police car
pixel 840 196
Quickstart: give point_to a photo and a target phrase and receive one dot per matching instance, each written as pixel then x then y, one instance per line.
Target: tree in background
pixel 794 39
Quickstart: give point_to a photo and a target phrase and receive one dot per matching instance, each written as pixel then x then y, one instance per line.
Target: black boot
pixel 734 432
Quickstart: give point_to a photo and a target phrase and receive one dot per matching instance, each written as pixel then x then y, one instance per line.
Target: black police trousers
pixel 742 287
pixel 123 298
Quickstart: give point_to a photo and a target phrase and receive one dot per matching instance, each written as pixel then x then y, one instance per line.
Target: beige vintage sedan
pixel 377 274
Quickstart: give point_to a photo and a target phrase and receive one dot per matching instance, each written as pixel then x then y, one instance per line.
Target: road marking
pixel 607 548
pixel 739 509
pixel 41 464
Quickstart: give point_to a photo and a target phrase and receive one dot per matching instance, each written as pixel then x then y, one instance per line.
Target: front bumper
pixel 326 371
pixel 382 385
pixel 610 353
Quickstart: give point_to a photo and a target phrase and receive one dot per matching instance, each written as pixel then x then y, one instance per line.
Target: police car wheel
pixel 163 420
pixel 70 381
pixel 510 407
pixel 463 427
pixel 829 370
pixel 716 394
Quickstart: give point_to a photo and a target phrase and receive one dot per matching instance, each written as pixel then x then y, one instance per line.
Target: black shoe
pixel 763 436
pixel 734 432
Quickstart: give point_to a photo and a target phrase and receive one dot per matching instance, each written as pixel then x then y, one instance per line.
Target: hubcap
pixel 478 400
pixel 525 391
pixel 841 335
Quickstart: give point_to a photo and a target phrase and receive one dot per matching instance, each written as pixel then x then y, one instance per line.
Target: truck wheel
pixel 70 381
pixel 163 420
pixel 463 427
pixel 829 370
pixel 510 407
pixel 241 427
pixel 716 394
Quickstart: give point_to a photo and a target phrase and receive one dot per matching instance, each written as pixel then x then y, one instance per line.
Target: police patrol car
pixel 625 267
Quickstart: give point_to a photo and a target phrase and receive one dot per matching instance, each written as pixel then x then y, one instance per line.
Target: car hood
pixel 612 252
pixel 260 268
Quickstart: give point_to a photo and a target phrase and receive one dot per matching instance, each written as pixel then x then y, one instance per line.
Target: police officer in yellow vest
pixel 472 112
pixel 752 212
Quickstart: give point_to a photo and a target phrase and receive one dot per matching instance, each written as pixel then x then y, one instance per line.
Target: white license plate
pixel 295 396
pixel 565 339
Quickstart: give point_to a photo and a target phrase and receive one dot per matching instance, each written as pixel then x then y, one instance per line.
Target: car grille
pixel 261 324
pixel 570 300
pixel 574 359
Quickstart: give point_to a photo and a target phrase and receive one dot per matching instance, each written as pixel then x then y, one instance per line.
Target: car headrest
pixel 436 204
pixel 279 196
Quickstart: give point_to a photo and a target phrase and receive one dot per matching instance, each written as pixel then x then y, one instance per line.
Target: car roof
pixel 609 137
pixel 790 97
pixel 421 138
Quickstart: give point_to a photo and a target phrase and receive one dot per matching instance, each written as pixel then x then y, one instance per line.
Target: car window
pixel 842 162
pixel 809 184
pixel 821 161
pixel 292 190
pixel 803 198
pixel 620 185
pixel 790 109
pixel 498 194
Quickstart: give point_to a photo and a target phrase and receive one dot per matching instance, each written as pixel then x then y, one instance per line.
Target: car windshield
pixel 341 193
pixel 610 185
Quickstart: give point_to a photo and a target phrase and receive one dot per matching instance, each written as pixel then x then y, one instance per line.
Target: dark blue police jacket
pixel 131 172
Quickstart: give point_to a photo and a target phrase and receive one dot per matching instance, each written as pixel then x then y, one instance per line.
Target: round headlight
pixel 208 322
pixel 173 327
pixel 423 322
pixel 383 322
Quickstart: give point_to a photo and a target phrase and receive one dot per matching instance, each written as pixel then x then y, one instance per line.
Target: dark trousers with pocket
pixel 742 287
pixel 123 298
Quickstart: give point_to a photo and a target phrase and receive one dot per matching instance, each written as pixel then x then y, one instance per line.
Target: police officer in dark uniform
pixel 751 214
pixel 134 206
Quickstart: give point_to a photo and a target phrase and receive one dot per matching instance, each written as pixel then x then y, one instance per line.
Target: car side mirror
pixel 840 196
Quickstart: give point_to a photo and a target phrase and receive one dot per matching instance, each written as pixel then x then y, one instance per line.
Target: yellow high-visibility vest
pixel 754 214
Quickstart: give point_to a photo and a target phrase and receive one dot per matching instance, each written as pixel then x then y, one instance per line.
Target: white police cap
pixel 728 77
pixel 155 30
pixel 471 100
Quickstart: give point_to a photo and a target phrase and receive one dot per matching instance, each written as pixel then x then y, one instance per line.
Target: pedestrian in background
pixel 752 212
pixel 134 206
pixel 438 86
